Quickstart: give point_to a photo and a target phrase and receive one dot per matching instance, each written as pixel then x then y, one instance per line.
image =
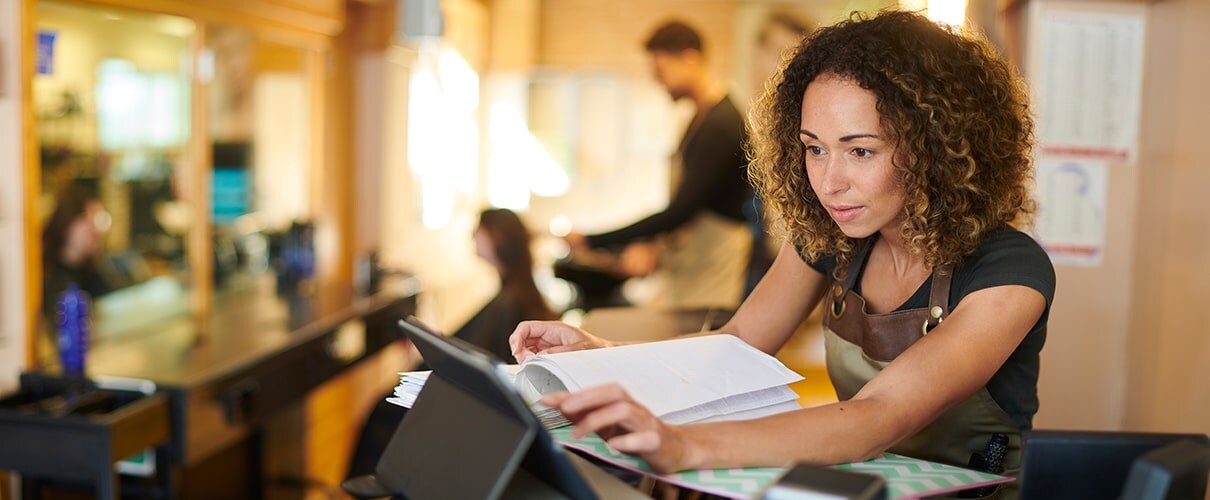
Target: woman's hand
pixel 639 259
pixel 624 424
pixel 542 337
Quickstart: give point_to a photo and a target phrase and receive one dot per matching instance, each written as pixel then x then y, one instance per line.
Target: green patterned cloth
pixel 906 477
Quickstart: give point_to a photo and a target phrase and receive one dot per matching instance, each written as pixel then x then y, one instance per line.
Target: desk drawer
pixel 71 430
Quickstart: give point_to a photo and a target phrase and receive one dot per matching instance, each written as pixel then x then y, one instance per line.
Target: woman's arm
pixel 942 369
pixel 957 358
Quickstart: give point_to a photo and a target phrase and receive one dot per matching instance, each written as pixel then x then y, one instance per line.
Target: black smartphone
pixel 818 482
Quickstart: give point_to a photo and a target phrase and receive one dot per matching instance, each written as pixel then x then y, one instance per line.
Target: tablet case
pixel 470 435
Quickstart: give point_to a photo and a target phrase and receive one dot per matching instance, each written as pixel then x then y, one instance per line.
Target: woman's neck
pixel 901 261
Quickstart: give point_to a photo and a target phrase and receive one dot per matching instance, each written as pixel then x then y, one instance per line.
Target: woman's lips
pixel 844 213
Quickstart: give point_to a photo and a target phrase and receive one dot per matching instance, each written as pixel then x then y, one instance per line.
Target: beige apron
pixel 859 345
pixel 703 264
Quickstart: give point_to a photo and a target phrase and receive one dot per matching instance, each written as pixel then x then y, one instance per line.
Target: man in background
pixel 695 251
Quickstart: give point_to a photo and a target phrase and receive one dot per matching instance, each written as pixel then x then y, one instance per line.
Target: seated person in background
pixel 704 242
pixel 502 240
pixel 71 247
pixel 896 154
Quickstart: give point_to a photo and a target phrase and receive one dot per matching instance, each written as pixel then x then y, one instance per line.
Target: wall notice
pixel 1086 74
pixel 1072 197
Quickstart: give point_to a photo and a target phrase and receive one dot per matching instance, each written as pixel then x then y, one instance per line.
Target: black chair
pixel 1058 464
pixel 1176 471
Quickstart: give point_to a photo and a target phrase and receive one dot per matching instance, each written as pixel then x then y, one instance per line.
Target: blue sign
pixel 46 52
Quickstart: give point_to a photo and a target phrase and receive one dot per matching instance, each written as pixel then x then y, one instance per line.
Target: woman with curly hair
pixel 895 154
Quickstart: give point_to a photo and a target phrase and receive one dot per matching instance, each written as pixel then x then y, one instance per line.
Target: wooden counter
pixel 230 375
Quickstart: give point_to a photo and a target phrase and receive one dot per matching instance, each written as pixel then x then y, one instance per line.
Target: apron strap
pixel 856 264
pixel 939 291
pixel 939 295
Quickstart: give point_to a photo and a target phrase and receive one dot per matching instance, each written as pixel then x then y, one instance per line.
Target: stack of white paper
pixel 694 379
pixel 410 384
pixel 409 387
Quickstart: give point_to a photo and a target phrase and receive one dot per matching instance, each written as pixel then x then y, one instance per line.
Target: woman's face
pixel 849 158
pixel 83 240
pixel 484 247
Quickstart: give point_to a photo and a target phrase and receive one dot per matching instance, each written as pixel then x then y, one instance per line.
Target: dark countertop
pixel 247 327
pixel 257 355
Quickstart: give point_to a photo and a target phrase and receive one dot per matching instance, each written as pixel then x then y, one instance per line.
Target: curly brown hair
pixel 957 113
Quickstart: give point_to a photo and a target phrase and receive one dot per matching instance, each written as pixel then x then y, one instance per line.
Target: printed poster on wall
pixel 45 55
pixel 1086 75
pixel 1072 197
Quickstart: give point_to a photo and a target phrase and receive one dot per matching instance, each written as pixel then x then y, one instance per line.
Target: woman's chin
pixel 855 231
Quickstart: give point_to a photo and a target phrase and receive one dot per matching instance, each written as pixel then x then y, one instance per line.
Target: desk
pixel 227 377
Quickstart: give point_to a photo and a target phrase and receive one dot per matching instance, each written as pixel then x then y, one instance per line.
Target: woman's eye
pixel 862 152
pixel 814 150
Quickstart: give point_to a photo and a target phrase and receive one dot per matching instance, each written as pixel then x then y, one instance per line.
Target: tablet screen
pixel 477 374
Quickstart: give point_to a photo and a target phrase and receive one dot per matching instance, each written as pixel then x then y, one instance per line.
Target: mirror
pixel 112 97
pixel 113 93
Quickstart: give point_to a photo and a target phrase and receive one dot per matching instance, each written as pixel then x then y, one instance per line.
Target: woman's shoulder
pixel 1007 241
pixel 825 263
pixel 1008 256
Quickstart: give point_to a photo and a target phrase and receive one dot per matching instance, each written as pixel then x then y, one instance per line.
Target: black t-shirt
pixel 1005 257
pixel 490 328
pixel 714 178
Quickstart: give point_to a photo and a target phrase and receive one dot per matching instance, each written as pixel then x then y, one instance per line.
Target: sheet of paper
pixel 763 411
pixel 739 404
pixel 671 375
pixel 410 384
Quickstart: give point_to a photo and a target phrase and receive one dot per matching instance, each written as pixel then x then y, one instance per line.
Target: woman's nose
pixel 833 178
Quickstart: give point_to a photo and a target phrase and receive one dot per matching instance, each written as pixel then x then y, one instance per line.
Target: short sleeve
pixel 1008 257
pixel 825 264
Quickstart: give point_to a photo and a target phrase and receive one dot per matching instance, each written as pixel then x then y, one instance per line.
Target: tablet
pixel 477 394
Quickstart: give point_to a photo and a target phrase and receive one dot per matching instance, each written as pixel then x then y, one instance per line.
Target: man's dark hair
pixel 674 36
